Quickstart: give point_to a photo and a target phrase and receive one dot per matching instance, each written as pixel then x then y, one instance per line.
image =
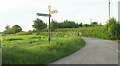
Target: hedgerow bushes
pixel 94 32
pixel 109 31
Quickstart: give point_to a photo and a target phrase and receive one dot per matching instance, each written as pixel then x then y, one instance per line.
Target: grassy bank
pixel 34 49
pixel 92 32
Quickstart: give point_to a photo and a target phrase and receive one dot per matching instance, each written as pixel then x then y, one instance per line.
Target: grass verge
pixel 42 54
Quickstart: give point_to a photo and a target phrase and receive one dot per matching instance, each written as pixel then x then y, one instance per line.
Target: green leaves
pixel 39 24
pixel 13 30
pixel 65 24
pixel 113 27
pixel 94 24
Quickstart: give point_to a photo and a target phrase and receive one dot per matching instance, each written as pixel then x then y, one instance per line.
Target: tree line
pixel 113 26
pixel 39 24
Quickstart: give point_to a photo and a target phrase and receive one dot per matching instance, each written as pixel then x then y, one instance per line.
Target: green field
pixel 35 49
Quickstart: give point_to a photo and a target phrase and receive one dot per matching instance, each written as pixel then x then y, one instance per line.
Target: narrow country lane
pixel 96 51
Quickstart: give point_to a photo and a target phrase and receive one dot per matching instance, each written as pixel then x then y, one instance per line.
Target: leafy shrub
pixel 113 28
pixel 13 30
pixel 94 32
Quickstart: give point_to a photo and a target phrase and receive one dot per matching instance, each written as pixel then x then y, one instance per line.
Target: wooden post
pixel 109 15
pixel 109 11
pixel 49 7
pixel 49 27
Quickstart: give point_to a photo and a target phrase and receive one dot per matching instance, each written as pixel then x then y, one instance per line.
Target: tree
pixel 113 27
pixel 118 29
pixel 76 25
pixel 39 24
pixel 16 29
pixel 100 24
pixel 60 25
pixel 7 27
pixel 69 24
pixel 81 25
pixel 7 32
pixel 53 25
pixel 94 23
pixel 86 25
pixel 13 30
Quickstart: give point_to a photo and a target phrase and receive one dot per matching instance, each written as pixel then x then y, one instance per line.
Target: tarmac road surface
pixel 96 51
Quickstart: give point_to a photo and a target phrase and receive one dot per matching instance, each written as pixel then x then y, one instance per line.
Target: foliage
pixel 113 27
pixel 100 24
pixel 7 27
pixel 93 32
pixel 13 30
pixel 94 24
pixel 39 24
pixel 86 25
pixel 70 24
pixel 8 32
pixel 81 25
pixel 97 31
pixel 16 29
pixel 65 24
pixel 54 25
pixel 118 30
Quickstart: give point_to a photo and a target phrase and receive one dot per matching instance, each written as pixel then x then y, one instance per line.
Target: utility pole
pixel 109 11
pixel 49 7
pixel 109 14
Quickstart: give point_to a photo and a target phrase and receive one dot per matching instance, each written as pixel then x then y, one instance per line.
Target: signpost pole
pixel 48 15
pixel 49 7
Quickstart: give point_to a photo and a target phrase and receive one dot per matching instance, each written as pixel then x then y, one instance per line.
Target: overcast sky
pixel 23 12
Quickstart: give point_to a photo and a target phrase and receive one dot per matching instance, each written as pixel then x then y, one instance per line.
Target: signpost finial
pixel 49 7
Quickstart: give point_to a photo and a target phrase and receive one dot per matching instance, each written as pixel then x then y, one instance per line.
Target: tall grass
pixel 38 52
